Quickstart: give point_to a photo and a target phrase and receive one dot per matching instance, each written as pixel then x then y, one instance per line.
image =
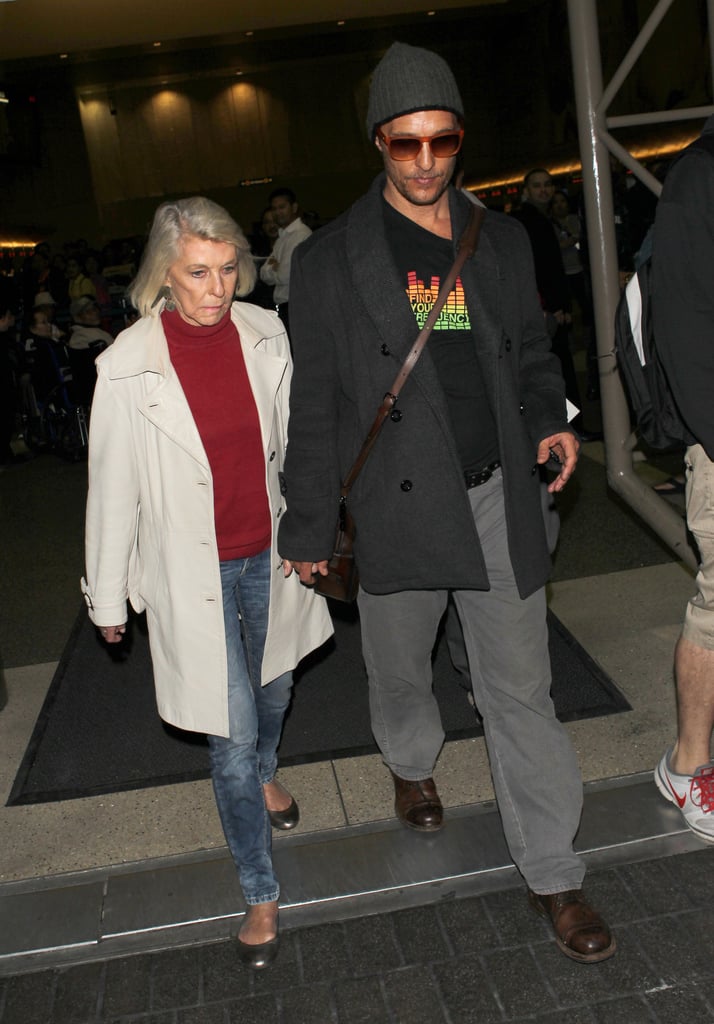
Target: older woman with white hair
pixel 187 438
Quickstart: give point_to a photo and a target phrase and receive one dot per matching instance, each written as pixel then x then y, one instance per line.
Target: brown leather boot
pixel 417 804
pixel 580 932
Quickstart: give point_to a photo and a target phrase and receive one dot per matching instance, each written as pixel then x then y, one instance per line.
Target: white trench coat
pixel 150 532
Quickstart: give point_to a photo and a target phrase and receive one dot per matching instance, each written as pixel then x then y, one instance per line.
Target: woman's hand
pixel 305 570
pixel 113 634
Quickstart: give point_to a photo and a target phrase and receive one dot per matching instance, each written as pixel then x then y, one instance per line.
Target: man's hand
pixel 563 448
pixel 305 570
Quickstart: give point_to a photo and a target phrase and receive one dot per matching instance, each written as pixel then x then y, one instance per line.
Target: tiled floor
pixel 485 959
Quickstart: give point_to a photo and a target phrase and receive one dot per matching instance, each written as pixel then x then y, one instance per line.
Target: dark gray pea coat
pixel 351 328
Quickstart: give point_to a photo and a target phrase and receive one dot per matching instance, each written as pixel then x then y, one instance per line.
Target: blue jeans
pixel 243 762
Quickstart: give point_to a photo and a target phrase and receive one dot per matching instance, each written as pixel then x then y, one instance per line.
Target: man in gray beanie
pixel 448 501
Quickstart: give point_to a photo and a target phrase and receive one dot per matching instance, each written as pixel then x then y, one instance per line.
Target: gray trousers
pixel 533 764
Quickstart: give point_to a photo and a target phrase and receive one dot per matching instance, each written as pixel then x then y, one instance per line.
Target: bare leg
pixel 276 796
pixel 260 923
pixel 694 671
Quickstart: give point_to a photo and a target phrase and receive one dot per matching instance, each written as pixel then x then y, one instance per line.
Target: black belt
pixel 480 476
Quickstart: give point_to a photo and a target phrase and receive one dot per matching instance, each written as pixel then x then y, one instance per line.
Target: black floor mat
pixel 99 732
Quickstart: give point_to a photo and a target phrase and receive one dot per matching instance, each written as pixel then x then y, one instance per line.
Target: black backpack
pixel 651 400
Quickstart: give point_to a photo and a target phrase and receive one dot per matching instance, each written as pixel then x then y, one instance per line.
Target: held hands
pixel 113 634
pixel 306 570
pixel 562 448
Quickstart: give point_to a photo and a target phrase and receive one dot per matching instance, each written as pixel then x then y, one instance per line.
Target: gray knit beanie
pixel 408 79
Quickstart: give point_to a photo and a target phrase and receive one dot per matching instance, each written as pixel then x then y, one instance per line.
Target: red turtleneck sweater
pixel 210 365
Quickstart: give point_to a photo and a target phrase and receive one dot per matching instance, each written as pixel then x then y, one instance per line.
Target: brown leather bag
pixel 342 580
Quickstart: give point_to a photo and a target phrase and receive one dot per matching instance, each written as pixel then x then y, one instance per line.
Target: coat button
pixel 395 415
pixel 534 470
pixel 385 351
pixel 272 456
pixel 406 485
pixel 508 344
pixel 521 408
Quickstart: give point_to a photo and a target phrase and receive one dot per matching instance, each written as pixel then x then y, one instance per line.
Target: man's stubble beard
pixel 414 198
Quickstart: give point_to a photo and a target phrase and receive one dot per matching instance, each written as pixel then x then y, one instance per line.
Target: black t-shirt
pixel 423 260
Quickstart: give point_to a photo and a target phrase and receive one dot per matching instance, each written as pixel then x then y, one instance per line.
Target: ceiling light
pixel 157 44
pixel 250 32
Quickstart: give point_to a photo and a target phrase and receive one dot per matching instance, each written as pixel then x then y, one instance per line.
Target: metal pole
pixel 660 116
pixel 599 211
pixel 3 685
pixel 633 54
pixel 626 158
pixel 710 22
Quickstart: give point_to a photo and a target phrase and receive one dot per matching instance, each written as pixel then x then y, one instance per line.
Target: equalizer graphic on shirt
pixel 453 317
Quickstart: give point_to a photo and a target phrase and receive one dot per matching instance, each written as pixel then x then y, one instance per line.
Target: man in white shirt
pixel 276 269
pixel 87 331
pixel 87 339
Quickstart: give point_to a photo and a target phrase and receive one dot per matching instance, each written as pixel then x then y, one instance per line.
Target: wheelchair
pixel 55 411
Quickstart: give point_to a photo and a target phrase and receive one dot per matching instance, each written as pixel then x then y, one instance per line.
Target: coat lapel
pixel 375 276
pixel 145 354
pixel 481 280
pixel 265 373
pixel 384 296
pixel 166 407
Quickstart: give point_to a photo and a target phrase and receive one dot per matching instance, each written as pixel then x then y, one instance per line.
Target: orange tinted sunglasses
pixel 406 147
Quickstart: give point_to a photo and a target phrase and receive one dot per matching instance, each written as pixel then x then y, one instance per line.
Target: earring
pixel 164 293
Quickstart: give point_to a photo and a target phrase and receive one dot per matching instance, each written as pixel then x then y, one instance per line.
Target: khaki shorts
pixel 699 617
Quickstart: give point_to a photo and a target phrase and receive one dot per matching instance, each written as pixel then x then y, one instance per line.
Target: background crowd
pixel 62 306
